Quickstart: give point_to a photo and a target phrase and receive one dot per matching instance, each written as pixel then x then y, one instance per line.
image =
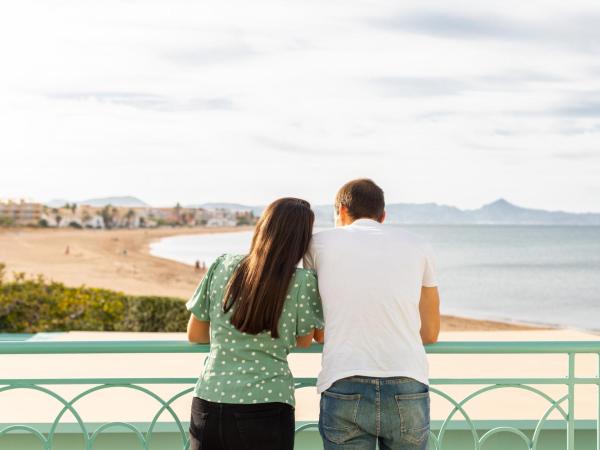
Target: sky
pixel 452 102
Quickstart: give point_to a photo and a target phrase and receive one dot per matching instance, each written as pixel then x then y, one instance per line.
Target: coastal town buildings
pixel 23 213
pixel 20 212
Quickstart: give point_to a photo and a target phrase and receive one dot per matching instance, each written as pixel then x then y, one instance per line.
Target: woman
pixel 253 309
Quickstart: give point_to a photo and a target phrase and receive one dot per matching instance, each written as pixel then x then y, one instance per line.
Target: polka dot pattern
pixel 245 368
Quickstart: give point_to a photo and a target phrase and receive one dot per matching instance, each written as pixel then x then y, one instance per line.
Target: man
pixel 381 304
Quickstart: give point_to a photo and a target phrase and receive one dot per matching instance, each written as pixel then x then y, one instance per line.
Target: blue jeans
pixel 358 412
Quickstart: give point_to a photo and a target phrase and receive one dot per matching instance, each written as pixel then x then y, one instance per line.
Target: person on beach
pixel 380 304
pixel 253 310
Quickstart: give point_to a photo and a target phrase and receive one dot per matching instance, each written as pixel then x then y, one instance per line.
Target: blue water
pixel 536 274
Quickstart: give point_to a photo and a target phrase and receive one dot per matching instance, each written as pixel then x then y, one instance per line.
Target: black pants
pixel 224 426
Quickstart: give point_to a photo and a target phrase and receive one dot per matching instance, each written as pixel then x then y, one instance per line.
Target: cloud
pixel 419 86
pixel 454 25
pixel 296 149
pixel 518 78
pixel 577 31
pixel 572 130
pixel 147 101
pixel 582 108
pixel 583 105
pixel 428 86
pixel 577 155
pixel 202 56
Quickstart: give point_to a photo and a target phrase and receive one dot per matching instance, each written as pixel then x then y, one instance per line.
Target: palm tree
pixel 114 216
pixel 85 217
pixel 178 212
pixel 107 217
pixel 130 216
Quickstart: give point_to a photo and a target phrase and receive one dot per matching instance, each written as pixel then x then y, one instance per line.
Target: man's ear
pixel 382 218
pixel 342 216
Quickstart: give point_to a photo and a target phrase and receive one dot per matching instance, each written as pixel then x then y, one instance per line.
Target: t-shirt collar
pixel 365 222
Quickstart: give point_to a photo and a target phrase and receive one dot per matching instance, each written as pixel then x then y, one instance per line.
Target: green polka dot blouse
pixel 244 368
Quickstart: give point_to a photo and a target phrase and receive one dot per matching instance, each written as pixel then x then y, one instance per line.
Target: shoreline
pixel 120 260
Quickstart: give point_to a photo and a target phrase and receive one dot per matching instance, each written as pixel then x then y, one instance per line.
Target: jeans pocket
pixel 414 416
pixel 260 430
pixel 338 416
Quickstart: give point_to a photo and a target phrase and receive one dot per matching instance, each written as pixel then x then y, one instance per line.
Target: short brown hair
pixel 363 199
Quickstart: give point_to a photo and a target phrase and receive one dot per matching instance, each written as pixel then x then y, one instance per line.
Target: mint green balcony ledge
pixel 449 434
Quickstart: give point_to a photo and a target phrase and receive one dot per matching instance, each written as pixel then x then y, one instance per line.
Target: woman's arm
pixel 306 341
pixel 198 331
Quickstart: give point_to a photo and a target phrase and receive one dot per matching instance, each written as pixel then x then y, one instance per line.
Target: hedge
pixel 31 306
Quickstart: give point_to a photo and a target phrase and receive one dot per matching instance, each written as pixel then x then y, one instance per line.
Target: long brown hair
pixel 259 286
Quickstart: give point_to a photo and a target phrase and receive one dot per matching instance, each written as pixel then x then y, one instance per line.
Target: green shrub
pixel 31 306
pixel 6 221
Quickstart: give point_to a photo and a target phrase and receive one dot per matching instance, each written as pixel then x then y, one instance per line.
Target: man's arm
pixel 198 331
pixel 429 309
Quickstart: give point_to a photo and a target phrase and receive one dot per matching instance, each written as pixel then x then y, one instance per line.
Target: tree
pixel 107 217
pixel 58 219
pixel 6 221
pixel 243 220
pixel 130 216
pixel 178 212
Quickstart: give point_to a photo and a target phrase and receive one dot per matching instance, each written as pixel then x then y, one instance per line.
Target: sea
pixel 541 275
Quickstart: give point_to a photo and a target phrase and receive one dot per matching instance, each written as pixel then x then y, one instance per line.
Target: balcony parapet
pixel 458 420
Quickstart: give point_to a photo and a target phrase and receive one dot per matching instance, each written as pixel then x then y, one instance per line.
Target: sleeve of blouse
pixel 310 310
pixel 199 303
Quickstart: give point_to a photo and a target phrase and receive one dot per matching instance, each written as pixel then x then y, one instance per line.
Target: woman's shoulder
pixel 305 274
pixel 229 258
pixel 225 262
pixel 232 257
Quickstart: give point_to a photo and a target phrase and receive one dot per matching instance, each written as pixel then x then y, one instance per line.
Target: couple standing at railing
pixel 367 290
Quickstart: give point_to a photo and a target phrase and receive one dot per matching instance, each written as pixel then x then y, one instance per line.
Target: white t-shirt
pixel 370 277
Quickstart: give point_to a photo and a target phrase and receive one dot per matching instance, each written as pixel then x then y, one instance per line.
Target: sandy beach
pixel 120 260
pixel 111 259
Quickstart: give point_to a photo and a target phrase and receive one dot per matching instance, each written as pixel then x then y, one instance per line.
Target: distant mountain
pixel 503 212
pixel 500 212
pixel 123 201
pixel 230 206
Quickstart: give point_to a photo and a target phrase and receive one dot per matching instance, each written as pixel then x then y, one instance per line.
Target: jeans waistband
pixel 375 380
